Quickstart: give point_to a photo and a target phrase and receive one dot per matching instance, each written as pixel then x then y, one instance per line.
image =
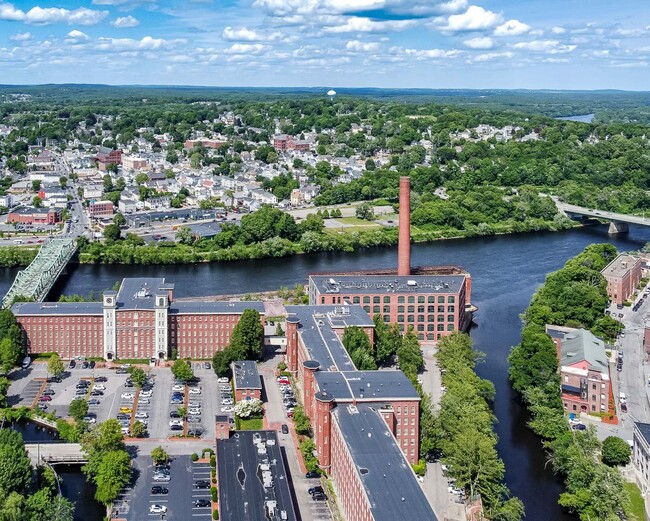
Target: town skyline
pixel 329 43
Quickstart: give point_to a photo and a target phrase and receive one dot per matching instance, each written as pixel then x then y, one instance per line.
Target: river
pixel 582 118
pixel 506 270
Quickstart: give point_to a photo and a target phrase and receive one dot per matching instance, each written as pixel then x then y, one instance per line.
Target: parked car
pixel 143 400
pixel 194 412
pixel 159 490
pixel 45 398
pixel 72 364
pixel 123 416
pixel 201 503
pixel 193 405
pixel 48 392
pixel 319 497
pixel 175 422
pixel 120 371
pixel 99 387
pixel 141 414
pixel 126 410
pixel 579 427
pixel 176 427
pixel 90 419
pixel 228 408
pixel 623 407
pixel 178 388
pixel 161 477
pixel 176 401
pixel 194 419
pixel 146 394
pixel 127 396
pixel 312 474
pixel 195 390
pixel 93 401
pixel 316 490
pixel 97 393
pixel 53 379
pixel 284 429
pixel 101 379
pixel 157 509
pixel 222 380
pixel 174 414
pixel 202 483
pixel 85 365
pixel 92 364
pixel 81 392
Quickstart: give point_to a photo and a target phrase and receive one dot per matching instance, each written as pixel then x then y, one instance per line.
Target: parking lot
pixel 180 499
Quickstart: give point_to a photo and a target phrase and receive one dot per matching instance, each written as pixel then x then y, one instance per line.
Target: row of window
pixel 401 300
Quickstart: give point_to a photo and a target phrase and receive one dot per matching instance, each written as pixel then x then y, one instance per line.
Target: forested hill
pixel 607 105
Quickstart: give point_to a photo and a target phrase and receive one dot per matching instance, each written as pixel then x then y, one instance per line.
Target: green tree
pixel 4 388
pixel 119 219
pixel 15 467
pixel 78 409
pixel 172 157
pixel 184 235
pixel 409 354
pixel 616 451
pixel 37 202
pixel 44 506
pixel 36 185
pixel 182 370
pixel 112 232
pixel 141 178
pixel 248 335
pixel 55 365
pixel 63 181
pixel 387 340
pixel 113 472
pixel 158 455
pixel 301 421
pixel 138 376
pixel 182 411
pixel 10 353
pixel 358 346
pixel 139 430
pixel 365 211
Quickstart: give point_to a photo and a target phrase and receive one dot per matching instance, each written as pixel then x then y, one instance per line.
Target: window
pixel 441 309
pixel 420 336
pixel 400 309
pixel 411 318
pixel 376 300
pixel 411 309
pixel 386 318
pixel 420 309
pixel 450 318
pixel 366 300
pixel 411 300
pixel 431 318
pixel 451 309
pixel 441 327
pixel 386 309
pixel 431 309
pixel 386 300
pixel 400 318
pixel 401 328
pixel 451 300
pixel 593 386
pixel 420 318
pixel 400 300
pixel 441 318
pixel 441 300
pixel 420 300
pixel 356 300
pixel 420 327
pixel 450 327
pixel 366 309
pixel 431 300
pixel 375 309
pixel 593 397
pixel 430 327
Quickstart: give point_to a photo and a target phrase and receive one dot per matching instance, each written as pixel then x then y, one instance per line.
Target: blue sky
pixel 549 44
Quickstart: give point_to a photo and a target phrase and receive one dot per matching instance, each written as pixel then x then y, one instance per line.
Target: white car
pixel 89 419
pixel 227 408
pixel 176 422
pixel 157 509
pixel 194 412
pixel 127 396
pixel 161 477
pixel 222 380
pixel 99 387
pixel 141 414
pixel 195 390
pixel 178 387
pixel 193 405
pixel 143 400
pixel 227 401
pixel 146 394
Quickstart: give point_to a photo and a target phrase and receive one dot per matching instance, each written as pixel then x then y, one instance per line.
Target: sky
pixel 477 44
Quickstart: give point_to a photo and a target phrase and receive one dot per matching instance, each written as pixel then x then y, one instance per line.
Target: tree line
pixel 573 296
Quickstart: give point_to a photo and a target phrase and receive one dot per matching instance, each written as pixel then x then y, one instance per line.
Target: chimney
pixel 404 246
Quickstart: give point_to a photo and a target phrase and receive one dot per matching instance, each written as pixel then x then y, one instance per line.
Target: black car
pixel 53 379
pixel 202 503
pixel 72 364
pixel 579 427
pixel 128 384
pixel 174 414
pixel 120 371
pixel 202 483
pixel 123 416
pixel 312 474
pixel 623 407
pixel 97 393
pixel 194 432
pixel 319 497
pixel 176 428
pixel 284 428
pixel 159 490
pixel 207 365
pixel 92 364
pixel 316 490
pixel 48 392
pixel 163 466
pixel 85 365
pixel 101 379
pixel 81 386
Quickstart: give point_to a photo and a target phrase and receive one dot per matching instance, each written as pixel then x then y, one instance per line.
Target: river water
pixel 506 270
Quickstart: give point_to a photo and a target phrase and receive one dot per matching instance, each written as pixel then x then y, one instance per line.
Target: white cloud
pixel 452 6
pixel 21 37
pixel 364 25
pixel 77 36
pixel 121 2
pixel 49 15
pixel 558 30
pixel 479 43
pixel 474 19
pixel 413 7
pixel 128 44
pixel 431 53
pixel 545 46
pixel 492 56
pixel 123 22
pixel 245 34
pixel 357 46
pixel 246 48
pixel 512 28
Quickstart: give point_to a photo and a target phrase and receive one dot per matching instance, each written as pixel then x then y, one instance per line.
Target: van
pixel 26 362
pixel 622 397
pixel 18 241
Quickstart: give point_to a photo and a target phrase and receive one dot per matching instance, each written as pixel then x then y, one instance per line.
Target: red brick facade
pixel 70 336
pixel 34 216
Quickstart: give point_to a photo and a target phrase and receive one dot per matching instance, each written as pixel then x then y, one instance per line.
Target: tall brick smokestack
pixel 404 246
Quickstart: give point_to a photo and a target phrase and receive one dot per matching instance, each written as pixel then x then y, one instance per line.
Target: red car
pixel 45 398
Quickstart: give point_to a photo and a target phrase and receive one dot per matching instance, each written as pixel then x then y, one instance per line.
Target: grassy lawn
pixel 634 509
pixel 251 424
pixel 354 221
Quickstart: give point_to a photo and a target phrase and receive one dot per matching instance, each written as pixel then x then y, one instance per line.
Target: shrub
pixel 616 451
pixel 213 461
pixel 282 367
pixel 420 468
pixel 215 514
pixel 214 494
pixel 195 456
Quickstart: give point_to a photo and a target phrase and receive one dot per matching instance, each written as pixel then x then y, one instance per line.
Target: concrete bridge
pixel 35 281
pixel 618 221
pixel 56 453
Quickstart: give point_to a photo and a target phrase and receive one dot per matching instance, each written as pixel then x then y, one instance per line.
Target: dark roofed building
pixel 641 450
pixel 253 480
pixel 372 479
pixel 247 380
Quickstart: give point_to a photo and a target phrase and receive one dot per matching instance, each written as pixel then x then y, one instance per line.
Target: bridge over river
pixel 35 281
pixel 618 221
pixel 55 453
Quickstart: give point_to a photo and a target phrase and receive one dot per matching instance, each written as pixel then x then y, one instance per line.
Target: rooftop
pixel 644 430
pixel 29 210
pixel 253 481
pixel 370 284
pixel 246 375
pixel 57 308
pixel 578 345
pixel 139 293
pixel 220 307
pixel 619 266
pixel 389 482
pixel 366 385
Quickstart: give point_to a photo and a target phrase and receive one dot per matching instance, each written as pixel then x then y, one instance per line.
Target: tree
pixel 112 232
pixel 182 370
pixel 365 211
pixel 184 235
pixel 172 157
pixel 301 421
pixel 107 437
pixel 113 472
pixel 248 408
pixel 248 335
pixel 36 185
pixel 139 430
pixel 55 365
pixel 182 411
pixel 4 387
pixel 119 219
pixel 78 409
pixel 158 455
pixel 615 451
pixel 15 468
pixel 141 178
pixel 10 353
pixel 37 202
pixel 387 340
pixel 358 346
pixel 138 376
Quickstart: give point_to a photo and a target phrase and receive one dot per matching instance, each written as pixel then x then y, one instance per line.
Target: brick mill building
pixel 623 275
pixel 140 320
pixel 27 215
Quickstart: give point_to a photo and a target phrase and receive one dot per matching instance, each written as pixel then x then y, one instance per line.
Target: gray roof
pixel 317 325
pixel 580 345
pixel 366 385
pixel 221 307
pixel 644 430
pixel 246 375
pixel 371 284
pixel 388 480
pixel 57 308
pixel 139 293
pixel 242 496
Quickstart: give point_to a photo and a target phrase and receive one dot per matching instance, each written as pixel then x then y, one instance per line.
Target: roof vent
pixel 363 471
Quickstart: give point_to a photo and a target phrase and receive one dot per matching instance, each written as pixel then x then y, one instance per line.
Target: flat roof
pixel 620 265
pixel 389 482
pixel 57 308
pixel 366 385
pixel 28 210
pixel 371 284
pixel 219 307
pixel 317 325
pixel 644 430
pixel 246 375
pixel 245 462
pixel 139 292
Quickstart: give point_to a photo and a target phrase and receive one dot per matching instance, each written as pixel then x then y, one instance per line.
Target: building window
pixel 366 300
pixel 411 309
pixel 420 309
pixel 450 318
pixel 375 309
pixel 593 386
pixel 366 309
pixel 593 397
pixel 386 309
pixel 450 327
pixel 401 328
pixel 430 327
pixel 420 336
pixel 400 309
pixel 400 300
pixel 441 309
pixel 411 318
pixel 420 327
pixel 386 300
pixel 431 309
pixel 441 327
pixel 420 300
pixel 376 300
pixel 451 309
pixel 451 300
pixel 441 318
pixel 411 300
pixel 431 318
pixel 356 300
pixel 420 318
pixel 386 318
pixel 441 300
pixel 400 318
pixel 431 300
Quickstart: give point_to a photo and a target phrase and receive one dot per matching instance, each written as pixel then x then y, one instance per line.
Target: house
pixel 584 370
pixel 623 275
pixel 106 156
